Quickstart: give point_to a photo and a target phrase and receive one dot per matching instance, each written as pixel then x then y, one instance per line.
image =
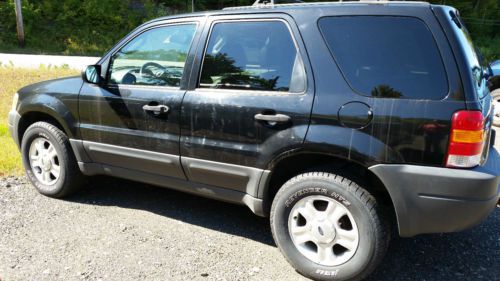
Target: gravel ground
pixel 120 230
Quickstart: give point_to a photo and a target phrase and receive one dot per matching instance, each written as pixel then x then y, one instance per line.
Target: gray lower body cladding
pixel 230 183
pixel 438 200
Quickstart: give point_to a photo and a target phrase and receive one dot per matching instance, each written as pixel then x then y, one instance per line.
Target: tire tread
pixel 74 178
pixel 376 213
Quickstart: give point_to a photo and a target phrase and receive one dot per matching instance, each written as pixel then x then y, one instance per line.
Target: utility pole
pixel 19 21
pixel 192 6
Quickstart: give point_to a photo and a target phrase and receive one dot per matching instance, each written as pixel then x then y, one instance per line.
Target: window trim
pixel 257 92
pixel 434 40
pixel 189 21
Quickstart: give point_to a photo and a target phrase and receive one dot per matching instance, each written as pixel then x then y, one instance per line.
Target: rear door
pixel 249 100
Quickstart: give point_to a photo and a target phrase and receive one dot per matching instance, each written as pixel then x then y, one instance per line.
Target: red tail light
pixel 466 139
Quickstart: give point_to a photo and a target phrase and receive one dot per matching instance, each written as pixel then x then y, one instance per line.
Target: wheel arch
pixel 45 108
pixel 31 117
pixel 295 162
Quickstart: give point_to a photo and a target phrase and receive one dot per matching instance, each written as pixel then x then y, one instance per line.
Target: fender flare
pixel 53 107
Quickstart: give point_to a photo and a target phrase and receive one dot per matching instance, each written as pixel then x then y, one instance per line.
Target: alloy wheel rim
pixel 323 230
pixel 44 161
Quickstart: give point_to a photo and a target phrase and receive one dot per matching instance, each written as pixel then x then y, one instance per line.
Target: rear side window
pixel 386 56
pixel 250 55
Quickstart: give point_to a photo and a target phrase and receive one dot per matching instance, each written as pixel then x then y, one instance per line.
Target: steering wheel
pixel 145 69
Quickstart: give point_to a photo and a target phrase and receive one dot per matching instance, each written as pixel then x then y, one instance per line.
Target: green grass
pixel 10 158
pixel 12 79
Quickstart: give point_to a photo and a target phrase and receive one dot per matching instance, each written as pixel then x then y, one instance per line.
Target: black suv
pixel 336 120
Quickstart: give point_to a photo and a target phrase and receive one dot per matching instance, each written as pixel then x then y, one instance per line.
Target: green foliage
pixel 482 18
pixel 87 27
pixel 90 27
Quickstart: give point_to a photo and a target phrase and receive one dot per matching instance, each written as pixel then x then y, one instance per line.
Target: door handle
pixel 278 118
pixel 156 109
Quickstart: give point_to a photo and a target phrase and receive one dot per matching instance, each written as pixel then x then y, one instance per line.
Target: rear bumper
pixel 14 118
pixel 436 200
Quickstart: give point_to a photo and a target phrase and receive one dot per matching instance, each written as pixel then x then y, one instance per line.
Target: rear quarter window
pixel 472 55
pixel 386 56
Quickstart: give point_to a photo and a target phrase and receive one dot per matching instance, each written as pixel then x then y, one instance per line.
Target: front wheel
pixel 328 227
pixel 49 161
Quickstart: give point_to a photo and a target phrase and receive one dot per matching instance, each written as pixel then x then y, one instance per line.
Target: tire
pixel 353 258
pixel 51 154
pixel 496 101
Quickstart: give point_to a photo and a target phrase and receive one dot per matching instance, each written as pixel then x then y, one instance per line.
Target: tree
pixel 19 21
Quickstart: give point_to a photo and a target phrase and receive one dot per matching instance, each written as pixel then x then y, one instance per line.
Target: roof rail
pixel 260 3
pixel 263 2
pixel 279 3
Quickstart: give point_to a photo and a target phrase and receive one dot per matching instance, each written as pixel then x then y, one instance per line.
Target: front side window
pixel 154 58
pixel 386 56
pixel 252 56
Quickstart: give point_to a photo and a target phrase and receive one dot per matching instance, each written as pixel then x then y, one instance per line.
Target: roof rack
pixel 275 3
pixel 263 2
pixel 260 3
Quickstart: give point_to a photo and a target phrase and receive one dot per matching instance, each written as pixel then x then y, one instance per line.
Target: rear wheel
pixel 49 162
pixel 328 227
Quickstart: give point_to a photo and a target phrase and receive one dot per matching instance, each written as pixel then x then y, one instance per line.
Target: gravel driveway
pixel 119 230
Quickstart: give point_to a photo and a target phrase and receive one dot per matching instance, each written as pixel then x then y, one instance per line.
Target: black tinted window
pixel 392 57
pixel 252 56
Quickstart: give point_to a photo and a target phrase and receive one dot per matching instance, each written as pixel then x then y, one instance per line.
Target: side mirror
pixel 494 69
pixel 92 74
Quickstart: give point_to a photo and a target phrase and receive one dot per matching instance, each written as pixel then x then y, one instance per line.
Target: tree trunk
pixel 476 5
pixel 19 21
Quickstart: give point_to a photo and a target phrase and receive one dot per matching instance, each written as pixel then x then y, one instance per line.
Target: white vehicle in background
pixel 495 70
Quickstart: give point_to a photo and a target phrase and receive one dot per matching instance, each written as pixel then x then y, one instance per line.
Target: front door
pixel 132 121
pixel 250 101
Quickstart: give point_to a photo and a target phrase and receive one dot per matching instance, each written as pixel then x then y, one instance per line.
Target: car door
pixel 249 101
pixel 132 120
